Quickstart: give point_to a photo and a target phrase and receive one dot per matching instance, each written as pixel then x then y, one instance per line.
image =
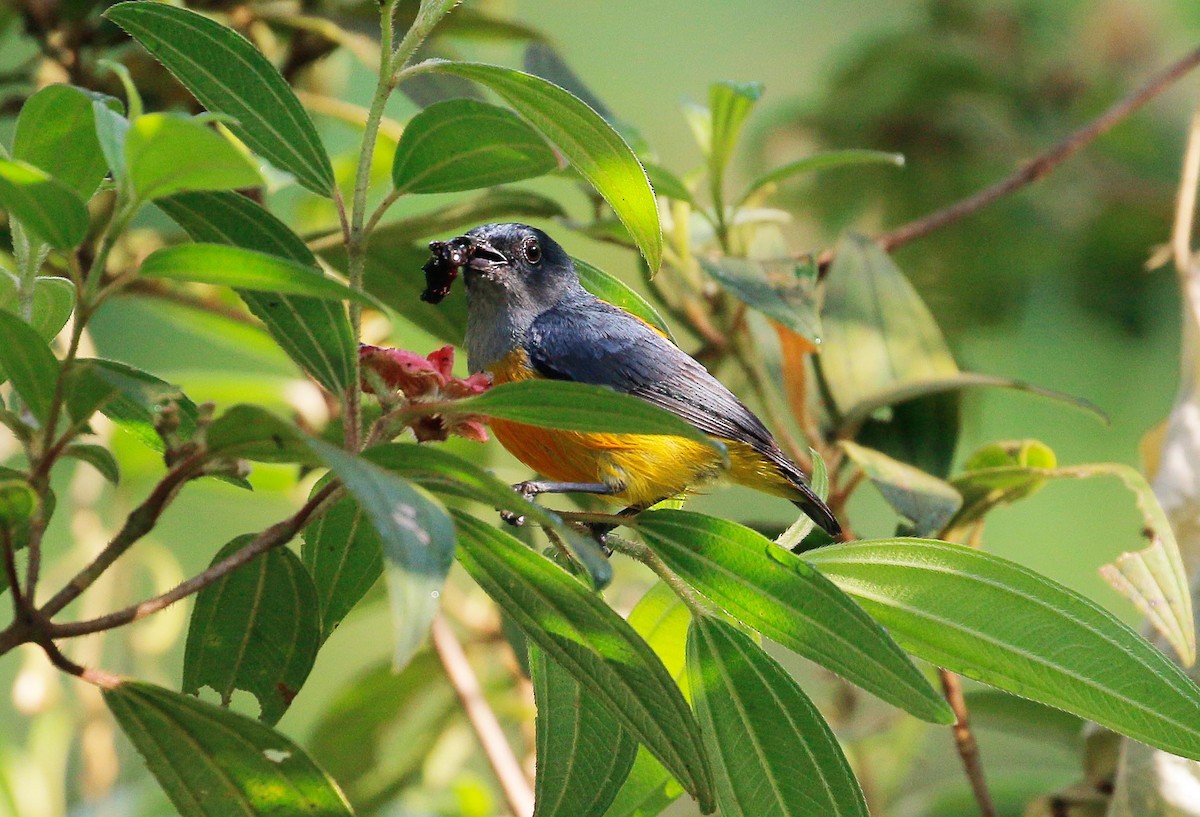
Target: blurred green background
pixel 1049 286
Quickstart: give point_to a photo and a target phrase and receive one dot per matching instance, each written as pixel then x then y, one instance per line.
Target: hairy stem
pixel 486 726
pixel 357 236
pixel 639 551
pixel 278 534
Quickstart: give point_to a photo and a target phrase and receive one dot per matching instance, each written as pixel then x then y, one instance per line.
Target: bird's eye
pixel 532 251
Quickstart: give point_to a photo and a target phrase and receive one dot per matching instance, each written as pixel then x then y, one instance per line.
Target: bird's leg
pixel 601 530
pixel 532 488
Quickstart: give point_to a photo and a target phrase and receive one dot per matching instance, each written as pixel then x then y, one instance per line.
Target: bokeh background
pixel 1051 285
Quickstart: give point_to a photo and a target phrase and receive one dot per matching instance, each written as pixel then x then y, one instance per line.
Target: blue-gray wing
pixel 589 341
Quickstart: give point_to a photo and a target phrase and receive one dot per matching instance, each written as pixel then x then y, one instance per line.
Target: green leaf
pixel 257 629
pixel 878 332
pixel 926 501
pixel 129 397
pixel 45 206
pixel 245 269
pixel 997 622
pixel 461 144
pixel 772 752
pixel 583 753
pixel 784 290
pixel 53 302
pixel 56 131
pixel 28 363
pixel 573 406
pixel 591 642
pixel 253 433
pixel 379 728
pixel 98 457
pixel 267 115
pixel 729 104
pixel 785 599
pixel 859 413
pixel 111 130
pixel 18 505
pixel 443 473
pixel 662 619
pixel 167 153
pixel 418 542
pixel 214 763
pixel 314 332
pixel 616 292
pixel 588 142
pixel 344 555
pixel 825 160
pixel 1153 578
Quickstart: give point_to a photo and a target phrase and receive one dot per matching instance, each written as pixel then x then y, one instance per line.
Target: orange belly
pixel 648 467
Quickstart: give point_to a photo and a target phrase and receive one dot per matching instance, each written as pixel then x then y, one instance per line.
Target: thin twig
pixel 1185 207
pixel 652 560
pixel 513 783
pixel 157 289
pixel 968 749
pixel 140 522
pixel 278 534
pixel 1040 166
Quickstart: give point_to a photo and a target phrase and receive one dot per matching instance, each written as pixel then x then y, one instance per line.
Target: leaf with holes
pixel 213 763
pixel 256 629
pixel 266 114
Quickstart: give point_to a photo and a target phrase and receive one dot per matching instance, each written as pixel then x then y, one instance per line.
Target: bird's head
pixel 518 266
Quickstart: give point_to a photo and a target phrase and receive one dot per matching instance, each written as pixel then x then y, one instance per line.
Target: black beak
pixel 485 257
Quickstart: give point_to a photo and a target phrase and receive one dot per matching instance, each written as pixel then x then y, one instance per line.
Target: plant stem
pixel 356 240
pixel 278 534
pixel 964 739
pixel 1040 166
pixel 639 551
pixel 513 782
pixel 140 522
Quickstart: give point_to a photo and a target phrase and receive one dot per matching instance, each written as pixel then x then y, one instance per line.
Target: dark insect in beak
pixel 446 260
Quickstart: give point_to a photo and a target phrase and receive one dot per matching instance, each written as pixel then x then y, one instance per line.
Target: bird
pixel 528 316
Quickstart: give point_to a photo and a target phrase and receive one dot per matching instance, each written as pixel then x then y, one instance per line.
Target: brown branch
pixel 1039 167
pixel 140 522
pixel 964 739
pixel 483 720
pixel 278 534
pixel 159 290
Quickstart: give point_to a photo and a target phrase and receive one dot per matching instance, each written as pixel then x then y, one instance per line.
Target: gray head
pixel 518 265
pixel 515 273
